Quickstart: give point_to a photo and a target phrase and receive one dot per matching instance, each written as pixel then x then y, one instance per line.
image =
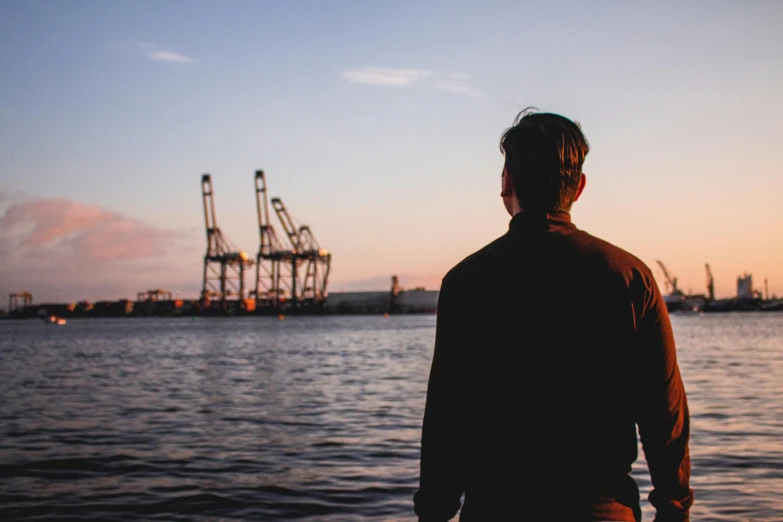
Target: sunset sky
pixel 377 124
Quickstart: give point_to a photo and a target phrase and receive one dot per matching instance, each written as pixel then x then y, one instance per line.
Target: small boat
pixel 53 319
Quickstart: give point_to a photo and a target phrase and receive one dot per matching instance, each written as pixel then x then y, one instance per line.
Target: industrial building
pixel 746 299
pixel 395 301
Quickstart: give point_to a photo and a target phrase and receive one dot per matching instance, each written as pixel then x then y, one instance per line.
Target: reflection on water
pixel 311 418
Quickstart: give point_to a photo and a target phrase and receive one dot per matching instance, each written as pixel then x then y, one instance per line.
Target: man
pixel 552 347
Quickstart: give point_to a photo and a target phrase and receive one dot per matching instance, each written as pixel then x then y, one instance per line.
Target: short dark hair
pixel 544 155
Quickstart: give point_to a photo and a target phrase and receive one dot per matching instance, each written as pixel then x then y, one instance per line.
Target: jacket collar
pixel 529 221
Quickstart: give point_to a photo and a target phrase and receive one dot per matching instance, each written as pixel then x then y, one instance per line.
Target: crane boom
pixel 269 240
pixel 710 283
pixel 288 224
pixel 308 239
pixel 670 281
pixel 213 243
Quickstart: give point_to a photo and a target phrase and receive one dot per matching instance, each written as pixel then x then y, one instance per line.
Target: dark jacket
pixel 552 346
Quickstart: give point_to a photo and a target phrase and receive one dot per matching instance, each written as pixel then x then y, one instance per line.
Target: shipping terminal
pixel 748 298
pixel 292 276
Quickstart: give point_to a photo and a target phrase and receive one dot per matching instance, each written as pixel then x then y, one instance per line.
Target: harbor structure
pixel 674 298
pixel 157 294
pixel 710 283
pixel 292 277
pixel 18 301
pixel 395 300
pixel 745 287
pixel 224 263
pixel 413 301
pixel 747 297
pixel 273 262
pixel 157 302
pixel 310 265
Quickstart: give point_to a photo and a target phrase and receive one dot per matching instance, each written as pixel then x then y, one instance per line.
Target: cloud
pixel 61 249
pixel 460 89
pixel 168 56
pixel 444 81
pixel 456 82
pixel 154 52
pixel 63 228
pixel 4 111
pixel 384 76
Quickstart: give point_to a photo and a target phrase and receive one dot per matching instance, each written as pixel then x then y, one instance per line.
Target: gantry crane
pixel 157 294
pixel 317 265
pixel 224 263
pixel 311 263
pixel 273 263
pixel 671 282
pixel 13 301
pixel 710 283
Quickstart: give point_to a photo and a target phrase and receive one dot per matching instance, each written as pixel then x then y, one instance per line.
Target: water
pixel 312 418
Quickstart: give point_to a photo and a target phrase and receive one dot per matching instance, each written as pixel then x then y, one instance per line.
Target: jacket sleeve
pixel 441 478
pixel 662 411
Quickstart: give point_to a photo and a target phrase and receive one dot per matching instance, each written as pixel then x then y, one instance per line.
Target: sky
pixel 377 124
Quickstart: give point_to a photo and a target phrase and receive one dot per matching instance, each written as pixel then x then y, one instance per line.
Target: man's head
pixel 544 157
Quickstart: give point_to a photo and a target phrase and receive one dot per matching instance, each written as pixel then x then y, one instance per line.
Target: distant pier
pixel 159 304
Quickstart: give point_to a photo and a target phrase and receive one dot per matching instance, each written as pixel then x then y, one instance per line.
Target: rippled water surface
pixel 312 418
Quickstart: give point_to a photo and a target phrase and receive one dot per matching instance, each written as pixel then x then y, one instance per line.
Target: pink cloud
pixel 66 227
pixel 65 251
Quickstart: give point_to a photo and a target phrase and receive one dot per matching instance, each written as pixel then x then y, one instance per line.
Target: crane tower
pixel 273 262
pixel 224 263
pixel 292 276
pixel 311 263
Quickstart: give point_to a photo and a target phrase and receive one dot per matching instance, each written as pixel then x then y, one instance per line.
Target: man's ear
pixel 507 186
pixel 582 183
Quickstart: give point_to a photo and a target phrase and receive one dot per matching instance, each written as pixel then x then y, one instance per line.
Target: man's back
pixel 551 346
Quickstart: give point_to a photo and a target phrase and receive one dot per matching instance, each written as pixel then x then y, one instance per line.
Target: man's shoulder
pixel 594 250
pixel 480 260
pixel 613 255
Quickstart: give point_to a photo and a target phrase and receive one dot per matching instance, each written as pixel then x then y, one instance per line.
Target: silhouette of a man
pixel 552 348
